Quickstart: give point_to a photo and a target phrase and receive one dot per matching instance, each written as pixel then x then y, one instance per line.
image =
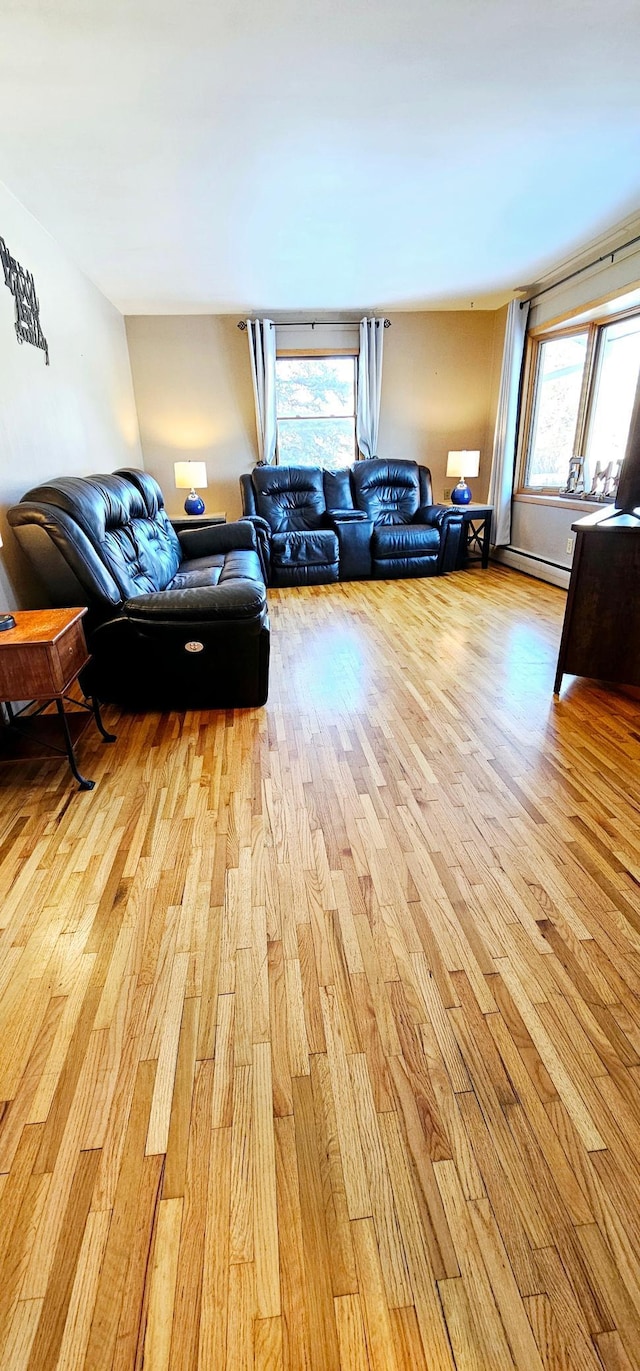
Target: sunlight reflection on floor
pixel 338 673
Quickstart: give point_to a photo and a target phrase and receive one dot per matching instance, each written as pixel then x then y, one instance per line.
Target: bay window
pixel 582 383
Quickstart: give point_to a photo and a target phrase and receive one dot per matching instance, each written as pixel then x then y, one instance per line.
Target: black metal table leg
pixel 82 780
pixel 108 737
pixel 486 542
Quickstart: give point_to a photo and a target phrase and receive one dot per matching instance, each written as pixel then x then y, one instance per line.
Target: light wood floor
pixel 320 1024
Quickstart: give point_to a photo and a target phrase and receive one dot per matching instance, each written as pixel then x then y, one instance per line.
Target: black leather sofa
pixel 175 621
pixel 374 519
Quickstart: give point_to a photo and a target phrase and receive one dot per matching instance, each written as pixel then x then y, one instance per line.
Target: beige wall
pixel 193 393
pixel 439 389
pixel 70 418
pixel 195 402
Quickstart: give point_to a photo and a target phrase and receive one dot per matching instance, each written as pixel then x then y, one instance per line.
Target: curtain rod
pixel 312 323
pixel 579 270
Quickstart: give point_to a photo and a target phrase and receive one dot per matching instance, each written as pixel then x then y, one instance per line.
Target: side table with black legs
pixel 40 658
pixel 476 534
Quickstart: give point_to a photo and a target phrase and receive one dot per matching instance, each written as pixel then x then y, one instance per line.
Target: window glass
pixel 316 409
pixel 614 393
pixel 561 363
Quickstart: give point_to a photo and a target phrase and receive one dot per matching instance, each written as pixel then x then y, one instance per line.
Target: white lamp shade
pixel 190 475
pixel 464 463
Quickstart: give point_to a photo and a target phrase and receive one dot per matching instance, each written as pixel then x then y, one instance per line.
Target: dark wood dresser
pixel 601 633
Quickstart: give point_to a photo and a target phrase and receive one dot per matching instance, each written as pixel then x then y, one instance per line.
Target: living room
pixel 319 795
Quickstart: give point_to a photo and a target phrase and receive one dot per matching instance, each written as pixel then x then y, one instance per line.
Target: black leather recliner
pixel 376 518
pixel 290 503
pixel 175 621
pixel 411 536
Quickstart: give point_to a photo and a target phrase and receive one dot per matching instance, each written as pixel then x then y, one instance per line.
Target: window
pixel 555 413
pixel 580 398
pixel 316 409
pixel 615 384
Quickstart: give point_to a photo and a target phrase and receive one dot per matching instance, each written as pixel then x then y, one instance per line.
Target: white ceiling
pixel 222 155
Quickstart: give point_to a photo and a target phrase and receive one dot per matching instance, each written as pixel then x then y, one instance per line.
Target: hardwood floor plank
pixel 295 1319
pixel 323 1339
pixel 17 1348
pixel 394 1269
pixel 162 1284
pixel 265 1208
pixel 268 1345
pixel 484 1299
pixel 340 1241
pixel 160 1118
pixel 133 1313
pixel 553 1344
pixel 212 1330
pixel 46 1344
pixel 80 1309
pixel 380 1341
pixel 351 1335
pixel 115 1264
pixel 180 1114
pixel 355 1180
pixel 419 1243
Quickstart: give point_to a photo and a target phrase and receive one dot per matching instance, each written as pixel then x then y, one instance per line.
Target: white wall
pixel 73 417
pixel 539 539
pixel 194 396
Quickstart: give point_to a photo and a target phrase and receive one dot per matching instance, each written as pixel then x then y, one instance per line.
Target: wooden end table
pixel 39 661
pixel 184 521
pixel 476 534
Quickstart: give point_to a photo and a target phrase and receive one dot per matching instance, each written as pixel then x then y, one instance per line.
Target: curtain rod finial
pixel 242 326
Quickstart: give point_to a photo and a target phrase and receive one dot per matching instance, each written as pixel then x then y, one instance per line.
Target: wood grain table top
pixel 39 626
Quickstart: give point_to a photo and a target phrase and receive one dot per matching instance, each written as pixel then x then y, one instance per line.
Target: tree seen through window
pixel 316 409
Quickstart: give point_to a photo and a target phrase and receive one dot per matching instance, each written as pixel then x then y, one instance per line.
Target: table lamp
pixel 6 620
pixel 191 476
pixel 462 464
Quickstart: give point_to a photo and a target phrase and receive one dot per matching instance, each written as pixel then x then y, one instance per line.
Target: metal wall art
pixel 603 485
pixel 605 481
pixel 575 480
pixel 22 287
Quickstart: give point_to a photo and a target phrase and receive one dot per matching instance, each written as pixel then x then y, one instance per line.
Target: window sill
pixel 561 501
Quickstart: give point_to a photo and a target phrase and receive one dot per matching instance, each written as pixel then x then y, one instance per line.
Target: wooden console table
pixel 39 661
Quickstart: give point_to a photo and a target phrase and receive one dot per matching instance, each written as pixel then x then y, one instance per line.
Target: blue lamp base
pixel 193 504
pixel 461 494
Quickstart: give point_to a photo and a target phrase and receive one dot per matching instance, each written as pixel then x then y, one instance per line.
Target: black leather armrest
pixel 212 538
pixel 263 535
pixel 437 515
pixel 344 516
pixel 248 494
pixel 260 524
pixel 234 600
